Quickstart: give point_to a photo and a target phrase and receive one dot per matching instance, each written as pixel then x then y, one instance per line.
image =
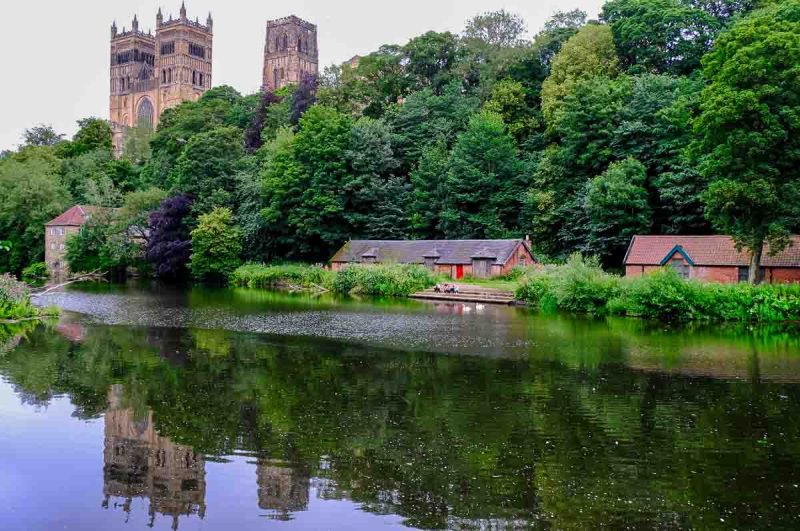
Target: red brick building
pixel 56 233
pixel 456 258
pixel 709 258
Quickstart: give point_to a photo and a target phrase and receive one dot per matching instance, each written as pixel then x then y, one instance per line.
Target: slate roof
pixel 75 216
pixel 414 251
pixel 706 251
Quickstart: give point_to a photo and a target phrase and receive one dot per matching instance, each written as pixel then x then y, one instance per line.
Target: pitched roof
pixel 414 251
pixel 75 216
pixel 706 251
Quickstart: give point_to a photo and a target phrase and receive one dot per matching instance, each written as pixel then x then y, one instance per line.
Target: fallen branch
pixel 94 275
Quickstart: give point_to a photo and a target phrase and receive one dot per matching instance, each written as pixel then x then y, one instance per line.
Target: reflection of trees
pixel 572 441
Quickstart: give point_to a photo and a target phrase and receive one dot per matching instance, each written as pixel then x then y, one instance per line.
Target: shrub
pixel 395 280
pixel 15 300
pixel 36 274
pixel 216 245
pixel 272 276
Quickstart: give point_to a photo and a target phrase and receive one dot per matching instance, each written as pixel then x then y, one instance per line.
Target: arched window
pixel 201 80
pixel 275 79
pixel 299 45
pixel 194 77
pixel 146 114
pixel 277 44
pixel 285 41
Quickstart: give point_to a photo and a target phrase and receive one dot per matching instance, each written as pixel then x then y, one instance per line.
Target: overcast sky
pixel 56 51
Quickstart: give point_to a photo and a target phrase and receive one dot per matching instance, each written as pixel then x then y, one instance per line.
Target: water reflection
pixel 596 425
pixel 139 463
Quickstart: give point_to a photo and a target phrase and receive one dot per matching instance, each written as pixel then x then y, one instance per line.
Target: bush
pixel 396 280
pixel 273 276
pixel 381 280
pixel 36 274
pixel 15 300
pixel 580 286
pixel 216 245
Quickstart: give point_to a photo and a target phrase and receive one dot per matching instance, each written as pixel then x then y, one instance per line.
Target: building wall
pixel 290 52
pixel 55 240
pixel 520 257
pixel 723 274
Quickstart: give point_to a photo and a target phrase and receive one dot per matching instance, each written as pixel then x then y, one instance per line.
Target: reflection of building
pixel 139 463
pixel 281 488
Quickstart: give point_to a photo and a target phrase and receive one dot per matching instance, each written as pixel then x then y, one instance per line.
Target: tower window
pixel 201 79
pixel 168 48
pixel 285 42
pixel 194 77
pixel 163 76
pixel 197 51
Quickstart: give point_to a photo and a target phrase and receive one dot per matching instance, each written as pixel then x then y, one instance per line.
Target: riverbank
pixel 581 286
pixel 15 302
pixel 389 280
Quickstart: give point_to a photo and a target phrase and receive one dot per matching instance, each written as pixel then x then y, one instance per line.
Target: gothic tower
pixel 290 52
pixel 151 73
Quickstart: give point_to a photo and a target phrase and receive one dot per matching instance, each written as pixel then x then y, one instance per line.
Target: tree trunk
pixel 755 264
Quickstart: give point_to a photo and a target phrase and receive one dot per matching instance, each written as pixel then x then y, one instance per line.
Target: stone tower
pixel 290 52
pixel 151 73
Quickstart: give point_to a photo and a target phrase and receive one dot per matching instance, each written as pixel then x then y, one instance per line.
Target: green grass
pixel 496 283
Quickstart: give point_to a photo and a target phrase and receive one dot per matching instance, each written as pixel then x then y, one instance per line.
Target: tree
pixel 304 97
pixel 617 202
pixel 484 189
pixel 748 133
pixel 558 29
pixel 89 249
pixel 496 28
pixel 591 52
pixel 31 194
pixel 207 166
pixel 252 135
pixel 216 246
pixel 508 100
pixel 93 134
pixel 170 246
pixel 428 180
pixel 665 36
pixel 41 135
pixel 430 58
pixel 136 145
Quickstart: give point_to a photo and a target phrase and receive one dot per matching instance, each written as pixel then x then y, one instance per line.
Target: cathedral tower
pixel 151 73
pixel 290 52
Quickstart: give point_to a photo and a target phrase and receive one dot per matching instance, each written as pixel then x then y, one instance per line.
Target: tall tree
pixel 170 245
pixel 496 28
pixel 429 188
pixel 484 189
pixel 665 36
pixel 430 58
pixel 41 135
pixel 216 246
pixel 748 131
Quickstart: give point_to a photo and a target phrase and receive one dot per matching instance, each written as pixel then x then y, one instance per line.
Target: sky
pixel 56 51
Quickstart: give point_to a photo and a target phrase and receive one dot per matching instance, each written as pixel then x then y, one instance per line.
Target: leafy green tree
pixel 216 245
pixel 509 101
pixel 558 29
pixel 430 59
pixel 129 232
pixel 136 148
pixel 484 188
pixel 748 134
pixel 665 36
pixel 590 52
pixel 31 194
pixel 208 165
pixel 429 182
pixel 41 135
pixel 93 134
pixel 88 250
pixel 496 28
pixel 617 203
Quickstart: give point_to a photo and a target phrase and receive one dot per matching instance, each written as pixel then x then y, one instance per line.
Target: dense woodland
pixel 663 116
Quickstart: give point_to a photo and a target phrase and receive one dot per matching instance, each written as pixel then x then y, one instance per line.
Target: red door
pixel 459 272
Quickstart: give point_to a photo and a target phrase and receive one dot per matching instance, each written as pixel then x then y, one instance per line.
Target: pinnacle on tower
pixel 159 17
pixel 209 21
pixel 114 29
pixel 135 24
pixel 183 10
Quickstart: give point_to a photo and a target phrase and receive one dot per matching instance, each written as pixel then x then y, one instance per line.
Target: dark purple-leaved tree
pixel 252 136
pixel 304 97
pixel 170 245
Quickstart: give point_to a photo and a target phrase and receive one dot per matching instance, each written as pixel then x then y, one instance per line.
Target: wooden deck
pixel 469 293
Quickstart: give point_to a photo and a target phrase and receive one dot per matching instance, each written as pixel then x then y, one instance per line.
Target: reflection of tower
pixel 139 463
pixel 281 488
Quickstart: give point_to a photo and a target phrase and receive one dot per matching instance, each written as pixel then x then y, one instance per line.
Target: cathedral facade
pixel 151 73
pixel 290 52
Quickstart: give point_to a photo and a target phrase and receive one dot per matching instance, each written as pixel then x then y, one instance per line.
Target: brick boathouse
pixel 456 258
pixel 56 233
pixel 709 258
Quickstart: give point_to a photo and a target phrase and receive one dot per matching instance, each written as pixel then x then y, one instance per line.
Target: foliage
pixel 497 28
pixel 87 250
pixel 36 274
pixel 41 135
pixel 748 132
pixel 385 280
pixel 170 246
pixel 580 286
pixel 216 245
pixel 15 302
pixel 93 134
pixel 616 202
pixel 281 275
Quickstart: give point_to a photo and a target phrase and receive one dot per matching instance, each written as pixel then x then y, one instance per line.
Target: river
pixel 245 409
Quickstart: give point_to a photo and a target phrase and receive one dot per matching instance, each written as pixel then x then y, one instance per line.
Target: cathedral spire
pixel 209 21
pixel 159 17
pixel 183 10
pixel 135 24
pixel 114 29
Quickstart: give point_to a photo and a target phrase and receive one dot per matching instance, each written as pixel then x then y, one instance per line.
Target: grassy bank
pixel 386 280
pixel 581 286
pixel 15 301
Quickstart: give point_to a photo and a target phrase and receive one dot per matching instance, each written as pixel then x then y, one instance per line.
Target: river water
pixel 240 409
